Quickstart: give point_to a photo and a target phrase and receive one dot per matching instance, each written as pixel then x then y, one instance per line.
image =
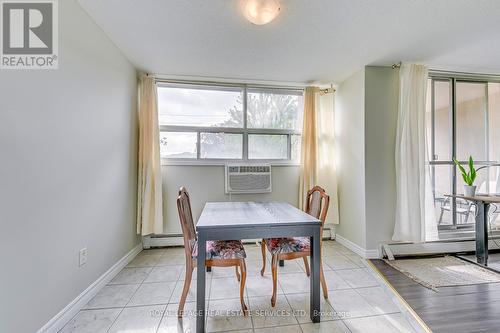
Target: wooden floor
pixel 456 309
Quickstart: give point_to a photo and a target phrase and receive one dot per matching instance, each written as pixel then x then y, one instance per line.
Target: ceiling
pixel 318 41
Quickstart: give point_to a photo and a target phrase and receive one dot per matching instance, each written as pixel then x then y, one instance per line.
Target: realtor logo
pixel 29 34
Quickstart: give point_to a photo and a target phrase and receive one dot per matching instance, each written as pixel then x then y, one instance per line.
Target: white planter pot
pixel 470 191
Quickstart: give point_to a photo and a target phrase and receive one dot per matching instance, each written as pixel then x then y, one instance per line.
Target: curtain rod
pixel 226 81
pixel 457 74
pixel 239 82
pixel 324 91
pixel 395 66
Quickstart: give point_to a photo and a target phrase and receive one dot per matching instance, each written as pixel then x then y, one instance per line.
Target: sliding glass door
pixel 463 119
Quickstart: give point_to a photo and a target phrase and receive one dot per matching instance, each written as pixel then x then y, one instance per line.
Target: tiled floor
pixel 144 298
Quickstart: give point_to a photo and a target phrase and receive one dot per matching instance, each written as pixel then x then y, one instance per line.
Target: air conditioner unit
pixel 248 178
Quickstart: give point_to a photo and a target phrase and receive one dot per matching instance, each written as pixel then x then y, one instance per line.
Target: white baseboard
pixel 363 253
pixel 55 324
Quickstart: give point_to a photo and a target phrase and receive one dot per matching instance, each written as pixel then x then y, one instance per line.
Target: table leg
pixel 314 298
pixel 482 233
pixel 200 283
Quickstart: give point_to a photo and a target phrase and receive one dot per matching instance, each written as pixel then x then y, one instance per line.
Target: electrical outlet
pixel 82 257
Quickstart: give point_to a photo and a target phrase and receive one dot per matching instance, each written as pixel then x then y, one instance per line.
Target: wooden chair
pixel 219 253
pixel 297 247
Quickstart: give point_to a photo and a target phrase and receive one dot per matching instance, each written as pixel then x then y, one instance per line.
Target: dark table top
pixel 488 198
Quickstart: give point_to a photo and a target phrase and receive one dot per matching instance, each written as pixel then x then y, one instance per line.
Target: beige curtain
pixel 149 185
pixel 308 169
pixel 317 165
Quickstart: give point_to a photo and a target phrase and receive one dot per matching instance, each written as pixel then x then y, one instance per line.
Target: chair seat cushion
pixel 287 245
pixel 227 249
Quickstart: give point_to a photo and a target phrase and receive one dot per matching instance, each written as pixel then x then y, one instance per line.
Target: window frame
pixel 245 131
pixel 455 78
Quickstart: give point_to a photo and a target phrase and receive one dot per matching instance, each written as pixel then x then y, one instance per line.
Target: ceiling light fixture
pixel 260 11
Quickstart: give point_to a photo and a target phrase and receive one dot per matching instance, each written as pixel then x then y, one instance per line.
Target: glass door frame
pixel 453 79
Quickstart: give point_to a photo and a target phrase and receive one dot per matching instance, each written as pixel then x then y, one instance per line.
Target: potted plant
pixel 469 177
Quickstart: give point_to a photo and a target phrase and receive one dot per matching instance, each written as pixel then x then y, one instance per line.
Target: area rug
pixel 443 272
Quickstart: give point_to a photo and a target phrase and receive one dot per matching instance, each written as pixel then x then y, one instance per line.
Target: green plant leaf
pixel 465 177
pixel 472 171
pixel 473 177
pixel 462 170
pixel 470 176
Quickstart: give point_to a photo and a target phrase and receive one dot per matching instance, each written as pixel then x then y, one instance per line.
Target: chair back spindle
pixel 187 222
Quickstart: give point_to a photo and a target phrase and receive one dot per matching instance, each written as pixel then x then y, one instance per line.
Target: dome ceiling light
pixel 260 12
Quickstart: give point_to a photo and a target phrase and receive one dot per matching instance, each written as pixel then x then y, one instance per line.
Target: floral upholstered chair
pixel 219 253
pixel 297 247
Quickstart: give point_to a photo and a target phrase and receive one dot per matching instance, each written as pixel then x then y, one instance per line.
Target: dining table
pixel 256 220
pixel 483 203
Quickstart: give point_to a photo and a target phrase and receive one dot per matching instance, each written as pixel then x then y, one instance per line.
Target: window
pixel 463 119
pixel 229 122
pixel 267 146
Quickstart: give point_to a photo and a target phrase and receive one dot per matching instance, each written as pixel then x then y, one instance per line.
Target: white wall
pixel 365 125
pixel 350 155
pixel 381 110
pixel 206 183
pixel 67 172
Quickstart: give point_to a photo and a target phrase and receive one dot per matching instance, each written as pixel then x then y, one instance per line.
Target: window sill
pixel 179 162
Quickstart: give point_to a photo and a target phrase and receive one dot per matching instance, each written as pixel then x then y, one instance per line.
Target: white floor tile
pixel 191 296
pixel 263 315
pixel 379 299
pixel 224 288
pixel 335 326
pixel 261 286
pixel 131 275
pixel 358 278
pixel 171 324
pixel 282 329
pixel 253 251
pixel 112 296
pixel 254 267
pixel 223 272
pixel 393 323
pixel 334 281
pixel 172 258
pixel 300 306
pixel 148 252
pixel 156 277
pixel 338 262
pixel 357 260
pixel 144 319
pixel 177 251
pixel 294 283
pixel 226 315
pixel 349 304
pixel 145 261
pixel 291 266
pixel 153 293
pixel 165 274
pixel 91 321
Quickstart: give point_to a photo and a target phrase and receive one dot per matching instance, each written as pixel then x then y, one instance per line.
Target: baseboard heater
pixel 392 250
